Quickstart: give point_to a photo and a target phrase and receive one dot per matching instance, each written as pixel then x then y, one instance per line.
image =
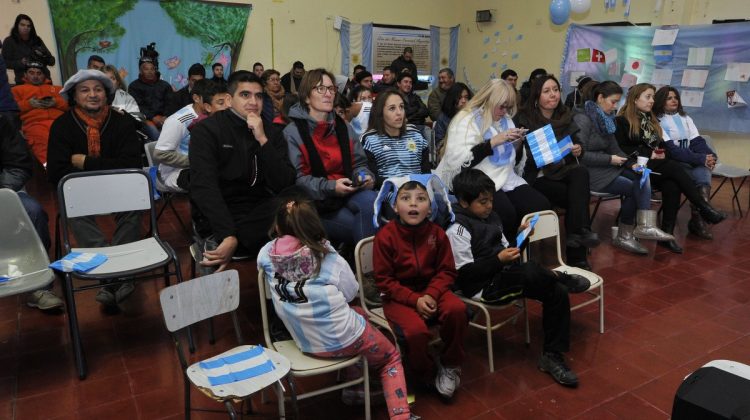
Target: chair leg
pixel 75 334
pixel 211 335
pixel 293 390
pixel 237 329
pixel 179 220
pixel 601 309
pixel 230 409
pixel 488 330
pixel 191 341
pixel 366 374
pixel 280 398
pixel 526 321
pixel 186 385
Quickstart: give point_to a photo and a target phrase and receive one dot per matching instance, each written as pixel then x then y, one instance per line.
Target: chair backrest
pixel 149 148
pixel 363 263
pixel 709 143
pixel 548 226
pixel 21 248
pixel 102 192
pixel 263 294
pixel 201 298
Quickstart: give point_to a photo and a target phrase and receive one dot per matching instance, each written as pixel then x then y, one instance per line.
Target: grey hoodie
pixel 319 188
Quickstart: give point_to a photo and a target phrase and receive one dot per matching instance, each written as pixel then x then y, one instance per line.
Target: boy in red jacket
pixel 414 269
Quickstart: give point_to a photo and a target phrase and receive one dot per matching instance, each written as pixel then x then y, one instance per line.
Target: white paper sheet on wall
pixel 661 77
pixel 664 37
pixel 692 98
pixel 700 56
pixel 611 55
pixel 738 72
pixel 634 65
pixel 694 78
pixel 628 80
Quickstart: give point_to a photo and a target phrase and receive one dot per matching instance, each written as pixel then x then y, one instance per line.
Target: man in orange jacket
pixel 40 103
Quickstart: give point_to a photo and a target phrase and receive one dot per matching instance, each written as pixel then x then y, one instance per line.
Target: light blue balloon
pixel 559 11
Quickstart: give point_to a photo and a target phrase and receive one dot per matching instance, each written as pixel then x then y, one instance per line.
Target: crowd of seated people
pixel 295 156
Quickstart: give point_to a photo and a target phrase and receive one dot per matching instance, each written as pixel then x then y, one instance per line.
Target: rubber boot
pixel 670 245
pixel 710 214
pixel 627 241
pixel 646 227
pixel 697 226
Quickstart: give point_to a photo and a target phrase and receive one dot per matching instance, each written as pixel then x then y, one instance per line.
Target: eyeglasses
pixel 274 79
pixel 322 89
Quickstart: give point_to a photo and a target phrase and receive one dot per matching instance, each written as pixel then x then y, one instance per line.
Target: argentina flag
pixel 545 148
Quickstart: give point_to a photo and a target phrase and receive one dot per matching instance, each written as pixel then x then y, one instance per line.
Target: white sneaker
pixel 447 380
pixel 44 300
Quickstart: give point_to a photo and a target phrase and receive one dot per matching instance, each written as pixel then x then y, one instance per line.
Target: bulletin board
pixel 708 64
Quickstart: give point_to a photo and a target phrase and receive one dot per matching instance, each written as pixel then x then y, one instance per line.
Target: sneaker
pixel 124 291
pixel 499 293
pixel 554 364
pixel 413 416
pixel 44 300
pixel 106 296
pixel 447 380
pixel 575 283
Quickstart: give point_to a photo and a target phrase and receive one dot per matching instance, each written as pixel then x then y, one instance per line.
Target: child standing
pixel 414 270
pixel 311 286
pixel 486 265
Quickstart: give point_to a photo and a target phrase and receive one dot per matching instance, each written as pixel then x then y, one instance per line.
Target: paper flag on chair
pixel 545 148
pixel 81 262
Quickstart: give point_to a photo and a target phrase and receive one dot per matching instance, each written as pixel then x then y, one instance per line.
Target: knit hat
pixel 34 65
pixel 84 75
pixel 440 203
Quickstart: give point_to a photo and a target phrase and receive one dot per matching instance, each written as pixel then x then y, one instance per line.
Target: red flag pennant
pixel 597 56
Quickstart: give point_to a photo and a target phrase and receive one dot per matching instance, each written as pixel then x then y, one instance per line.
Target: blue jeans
pixel 700 174
pixel 38 217
pixel 628 184
pixel 353 222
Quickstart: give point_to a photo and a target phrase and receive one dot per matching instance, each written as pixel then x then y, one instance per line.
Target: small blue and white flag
pixel 237 367
pixel 81 262
pixel 545 148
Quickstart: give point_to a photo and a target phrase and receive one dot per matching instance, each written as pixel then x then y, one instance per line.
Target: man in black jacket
pixel 238 163
pixel 416 110
pixel 181 98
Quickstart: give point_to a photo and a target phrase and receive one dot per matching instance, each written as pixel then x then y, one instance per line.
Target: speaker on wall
pixel 484 16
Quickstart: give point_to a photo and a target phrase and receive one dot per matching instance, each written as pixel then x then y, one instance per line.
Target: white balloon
pixel 580 6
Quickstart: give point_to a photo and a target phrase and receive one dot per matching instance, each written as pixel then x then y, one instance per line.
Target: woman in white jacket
pixel 122 100
pixel 482 136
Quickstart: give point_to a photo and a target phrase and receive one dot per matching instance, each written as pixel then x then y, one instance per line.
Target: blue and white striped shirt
pixel 396 156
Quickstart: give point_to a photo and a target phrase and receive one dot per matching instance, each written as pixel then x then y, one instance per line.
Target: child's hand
pixel 426 306
pixel 508 255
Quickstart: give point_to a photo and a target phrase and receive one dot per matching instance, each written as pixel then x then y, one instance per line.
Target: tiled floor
pixel 666 315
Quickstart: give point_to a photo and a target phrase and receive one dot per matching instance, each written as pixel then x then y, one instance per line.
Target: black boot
pixel 576 257
pixel 668 227
pixel 696 225
pixel 710 214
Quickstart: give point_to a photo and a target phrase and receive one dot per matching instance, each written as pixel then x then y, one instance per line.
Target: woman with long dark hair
pixel 686 146
pixel 639 134
pixel 24 45
pixel 564 183
pixel 456 98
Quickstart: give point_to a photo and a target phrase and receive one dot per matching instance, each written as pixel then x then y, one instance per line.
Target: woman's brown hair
pixel 630 110
pixel 299 218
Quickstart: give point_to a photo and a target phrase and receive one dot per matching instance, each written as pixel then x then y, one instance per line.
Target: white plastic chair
pixel 728 172
pixel 548 226
pixel 20 249
pixel 189 302
pixel 303 365
pixel 364 265
pixel 166 192
pixel 99 193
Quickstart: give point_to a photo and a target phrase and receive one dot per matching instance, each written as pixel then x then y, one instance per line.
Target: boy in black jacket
pixel 489 268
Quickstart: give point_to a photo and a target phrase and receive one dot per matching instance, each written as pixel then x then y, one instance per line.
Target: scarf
pixel 277 98
pixel 650 134
pixel 501 154
pixel 93 126
pixel 604 123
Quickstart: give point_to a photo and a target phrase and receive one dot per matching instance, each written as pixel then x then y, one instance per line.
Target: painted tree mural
pixel 78 29
pixel 216 27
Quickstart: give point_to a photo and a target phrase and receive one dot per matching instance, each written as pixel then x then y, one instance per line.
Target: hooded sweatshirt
pixel 311 297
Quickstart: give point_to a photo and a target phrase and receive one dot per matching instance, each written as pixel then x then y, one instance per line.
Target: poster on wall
pixel 388 42
pixel 184 32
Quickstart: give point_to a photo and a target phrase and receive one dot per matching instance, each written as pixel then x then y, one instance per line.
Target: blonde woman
pixel 482 136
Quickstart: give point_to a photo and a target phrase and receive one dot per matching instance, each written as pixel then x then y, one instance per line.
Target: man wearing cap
pixel 183 97
pixel 151 93
pixel 92 136
pixel 40 104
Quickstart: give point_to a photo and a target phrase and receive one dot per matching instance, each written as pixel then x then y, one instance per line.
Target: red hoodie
pixel 411 261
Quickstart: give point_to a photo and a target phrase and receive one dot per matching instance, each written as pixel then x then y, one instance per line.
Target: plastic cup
pixel 642 161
